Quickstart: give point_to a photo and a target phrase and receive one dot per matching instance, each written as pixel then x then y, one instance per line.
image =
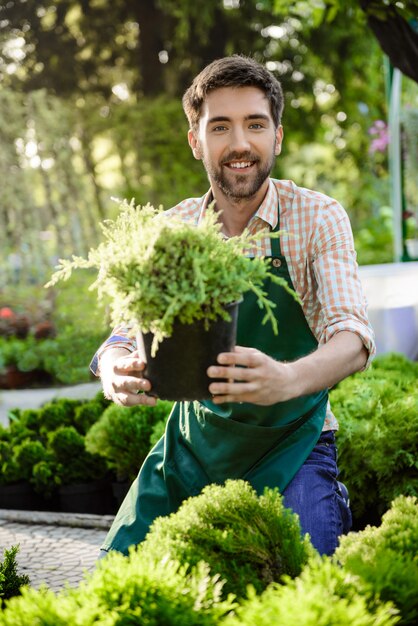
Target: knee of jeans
pixel 343 500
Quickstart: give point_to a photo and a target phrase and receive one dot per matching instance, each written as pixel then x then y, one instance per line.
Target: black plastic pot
pixel 21 496
pixel 178 370
pixel 94 497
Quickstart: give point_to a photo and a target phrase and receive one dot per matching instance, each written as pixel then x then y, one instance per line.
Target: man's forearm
pixel 341 356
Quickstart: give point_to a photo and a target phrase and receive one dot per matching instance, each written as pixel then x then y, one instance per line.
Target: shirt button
pixel 276 262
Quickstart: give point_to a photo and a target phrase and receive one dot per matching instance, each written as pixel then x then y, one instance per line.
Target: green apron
pixel 205 443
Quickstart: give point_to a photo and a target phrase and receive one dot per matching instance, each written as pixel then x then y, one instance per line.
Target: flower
pixel 379 130
pixel 6 313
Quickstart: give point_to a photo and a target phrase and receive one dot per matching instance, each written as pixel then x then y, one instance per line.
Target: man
pixel 269 420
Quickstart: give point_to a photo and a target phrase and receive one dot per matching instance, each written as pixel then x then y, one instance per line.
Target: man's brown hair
pixel 232 71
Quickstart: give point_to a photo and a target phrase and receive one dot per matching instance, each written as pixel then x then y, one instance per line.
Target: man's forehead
pixel 235 102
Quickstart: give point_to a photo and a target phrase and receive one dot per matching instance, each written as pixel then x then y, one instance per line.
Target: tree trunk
pixel 150 20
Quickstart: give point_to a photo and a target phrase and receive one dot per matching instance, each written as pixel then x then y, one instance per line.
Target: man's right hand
pixel 121 373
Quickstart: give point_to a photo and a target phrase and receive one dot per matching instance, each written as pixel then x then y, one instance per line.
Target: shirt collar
pixel 268 211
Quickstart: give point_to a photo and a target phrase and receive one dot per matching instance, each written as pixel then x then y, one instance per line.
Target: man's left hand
pixel 251 376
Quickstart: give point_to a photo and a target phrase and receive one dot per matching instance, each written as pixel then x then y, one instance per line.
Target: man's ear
pixel 279 139
pixel 194 144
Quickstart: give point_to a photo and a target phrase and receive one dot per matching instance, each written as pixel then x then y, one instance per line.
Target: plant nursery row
pixel 232 558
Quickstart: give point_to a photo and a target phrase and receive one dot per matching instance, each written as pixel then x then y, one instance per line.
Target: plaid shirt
pixel 319 250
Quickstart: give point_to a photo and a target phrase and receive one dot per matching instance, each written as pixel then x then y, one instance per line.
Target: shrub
pixel 57 413
pixel 386 558
pixel 10 581
pixel 74 463
pixel 67 357
pixel 323 595
pixel 378 443
pixel 122 436
pixel 17 462
pixel 244 538
pixel 126 591
pixel 87 414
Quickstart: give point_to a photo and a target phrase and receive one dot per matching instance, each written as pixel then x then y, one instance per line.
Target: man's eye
pixel 218 128
pixel 256 126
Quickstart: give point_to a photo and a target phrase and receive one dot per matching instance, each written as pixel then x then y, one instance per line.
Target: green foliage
pixel 157 271
pixel 46 446
pixel 126 591
pixel 122 436
pixel 374 238
pixel 386 558
pixel 59 412
pixel 244 538
pixel 87 414
pixel 67 357
pixel 75 463
pixel 18 459
pixel 378 443
pixel 10 581
pixel 323 595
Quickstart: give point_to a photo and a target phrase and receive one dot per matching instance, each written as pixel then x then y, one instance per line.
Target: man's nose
pixel 239 140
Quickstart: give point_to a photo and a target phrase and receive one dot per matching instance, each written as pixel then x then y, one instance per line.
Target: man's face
pixel 236 140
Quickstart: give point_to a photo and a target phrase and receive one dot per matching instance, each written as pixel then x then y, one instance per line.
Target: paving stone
pixel 54 555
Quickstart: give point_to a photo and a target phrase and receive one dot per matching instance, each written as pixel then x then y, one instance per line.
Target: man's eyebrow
pixel 253 116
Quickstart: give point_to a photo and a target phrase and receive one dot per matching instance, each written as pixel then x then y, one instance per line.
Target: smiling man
pixel 269 420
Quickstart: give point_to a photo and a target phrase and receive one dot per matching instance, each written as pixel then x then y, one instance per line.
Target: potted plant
pixel 167 278
pixel 122 436
pixel 82 476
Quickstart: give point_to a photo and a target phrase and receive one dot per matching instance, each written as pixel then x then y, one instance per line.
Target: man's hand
pixel 121 373
pixel 252 376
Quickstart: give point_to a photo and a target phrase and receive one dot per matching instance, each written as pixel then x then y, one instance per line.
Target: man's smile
pixel 240 165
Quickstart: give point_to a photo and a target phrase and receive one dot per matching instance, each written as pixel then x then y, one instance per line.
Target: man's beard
pixel 242 186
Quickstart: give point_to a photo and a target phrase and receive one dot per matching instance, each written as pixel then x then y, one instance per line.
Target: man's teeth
pixel 241 165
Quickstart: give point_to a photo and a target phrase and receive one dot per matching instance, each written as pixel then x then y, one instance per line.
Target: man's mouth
pixel 239 165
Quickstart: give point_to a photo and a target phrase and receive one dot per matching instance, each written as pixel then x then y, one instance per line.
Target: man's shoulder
pixel 301 196
pixel 188 209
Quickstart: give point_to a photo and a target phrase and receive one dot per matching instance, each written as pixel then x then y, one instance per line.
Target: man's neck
pixel 235 213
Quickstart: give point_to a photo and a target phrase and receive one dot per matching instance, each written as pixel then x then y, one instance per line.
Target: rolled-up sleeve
pixel 343 306
pixel 118 339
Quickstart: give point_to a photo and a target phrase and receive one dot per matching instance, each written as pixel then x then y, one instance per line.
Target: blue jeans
pixel 319 499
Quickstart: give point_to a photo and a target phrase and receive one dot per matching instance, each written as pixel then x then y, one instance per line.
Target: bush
pixel 57 413
pixel 378 443
pixel 122 436
pixel 126 591
pixel 244 538
pixel 10 581
pixel 323 595
pixel 386 558
pixel 74 464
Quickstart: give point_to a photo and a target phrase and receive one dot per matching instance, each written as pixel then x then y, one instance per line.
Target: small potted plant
pixel 175 284
pixel 123 437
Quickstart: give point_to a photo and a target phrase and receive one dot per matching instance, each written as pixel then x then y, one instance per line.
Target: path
pixel 55 548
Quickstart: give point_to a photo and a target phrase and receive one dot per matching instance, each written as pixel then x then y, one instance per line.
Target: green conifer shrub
pixel 244 538
pixel 323 595
pixel 74 464
pixel 122 436
pixel 378 444
pixel 126 591
pixel 87 414
pixel 10 581
pixel 386 558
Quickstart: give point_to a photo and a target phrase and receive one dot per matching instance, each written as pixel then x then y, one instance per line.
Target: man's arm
pixel 259 379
